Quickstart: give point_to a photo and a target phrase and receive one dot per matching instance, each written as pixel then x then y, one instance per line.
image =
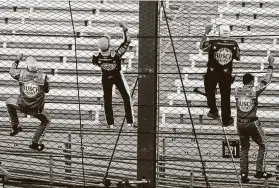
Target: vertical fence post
pixel 68 158
pixel 162 169
pixel 192 178
pixel 147 91
pixel 50 170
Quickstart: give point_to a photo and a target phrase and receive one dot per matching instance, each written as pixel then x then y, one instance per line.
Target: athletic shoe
pixel 110 126
pixel 36 146
pixel 132 125
pixel 16 131
pixel 244 178
pixel 262 175
pixel 231 122
pixel 214 115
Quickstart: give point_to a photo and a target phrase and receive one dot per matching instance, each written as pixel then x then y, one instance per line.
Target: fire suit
pixel 110 63
pixel 219 68
pixel 248 124
pixel 31 100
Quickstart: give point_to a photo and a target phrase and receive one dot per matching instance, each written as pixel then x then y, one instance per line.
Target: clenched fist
pixel 123 25
pixel 19 57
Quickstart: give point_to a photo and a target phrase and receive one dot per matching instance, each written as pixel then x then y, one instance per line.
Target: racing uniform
pixel 110 63
pixel 248 124
pixel 221 53
pixel 31 100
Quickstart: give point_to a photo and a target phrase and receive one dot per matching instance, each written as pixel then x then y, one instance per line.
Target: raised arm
pixel 95 58
pixel 204 45
pixel 127 40
pixel 14 72
pixel 46 85
pixel 237 52
pixel 264 83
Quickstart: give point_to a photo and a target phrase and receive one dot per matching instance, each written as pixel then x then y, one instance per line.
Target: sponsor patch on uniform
pixel 245 104
pixel 223 56
pixel 108 66
pixel 31 89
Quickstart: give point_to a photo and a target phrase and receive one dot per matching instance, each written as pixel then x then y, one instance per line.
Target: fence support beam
pixel 147 91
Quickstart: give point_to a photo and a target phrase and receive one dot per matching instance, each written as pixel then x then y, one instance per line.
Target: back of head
pixel 247 78
pixel 32 64
pixel 104 42
pixel 224 31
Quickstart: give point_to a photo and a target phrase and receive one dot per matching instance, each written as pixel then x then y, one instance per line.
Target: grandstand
pixel 253 27
pixel 44 30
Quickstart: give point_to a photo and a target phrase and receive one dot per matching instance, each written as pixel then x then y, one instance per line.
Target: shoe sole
pixel 213 117
pixel 247 181
pixel 263 177
pixel 227 125
pixel 40 148
pixel 18 130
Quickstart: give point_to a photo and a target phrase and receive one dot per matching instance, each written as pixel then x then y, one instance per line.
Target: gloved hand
pixel 19 57
pixel 123 26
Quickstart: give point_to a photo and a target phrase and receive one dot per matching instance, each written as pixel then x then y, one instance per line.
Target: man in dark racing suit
pixel 221 53
pixel 110 62
pixel 248 124
pixel 33 86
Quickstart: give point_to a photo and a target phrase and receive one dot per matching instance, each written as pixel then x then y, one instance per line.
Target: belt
pixel 226 71
pixel 247 120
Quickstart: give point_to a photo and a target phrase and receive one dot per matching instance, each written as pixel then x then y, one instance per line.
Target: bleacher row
pixel 39 17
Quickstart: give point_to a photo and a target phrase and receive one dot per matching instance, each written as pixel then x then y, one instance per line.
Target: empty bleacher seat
pixel 53 53
pixel 60 40
pixel 245 10
pixel 64 16
pixel 63 5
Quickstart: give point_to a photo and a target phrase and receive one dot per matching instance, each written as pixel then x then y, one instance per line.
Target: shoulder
pixel 96 53
pixel 41 74
pixel 238 91
pixel 233 41
pixel 210 41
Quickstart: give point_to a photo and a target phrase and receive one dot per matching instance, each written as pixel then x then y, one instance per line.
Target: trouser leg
pixel 107 83
pixel 225 90
pixel 210 89
pixel 123 88
pixel 258 137
pixel 244 161
pixel 12 107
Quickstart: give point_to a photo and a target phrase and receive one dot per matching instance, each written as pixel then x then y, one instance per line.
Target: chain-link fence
pixel 194 146
pixel 63 36
pixel 167 128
